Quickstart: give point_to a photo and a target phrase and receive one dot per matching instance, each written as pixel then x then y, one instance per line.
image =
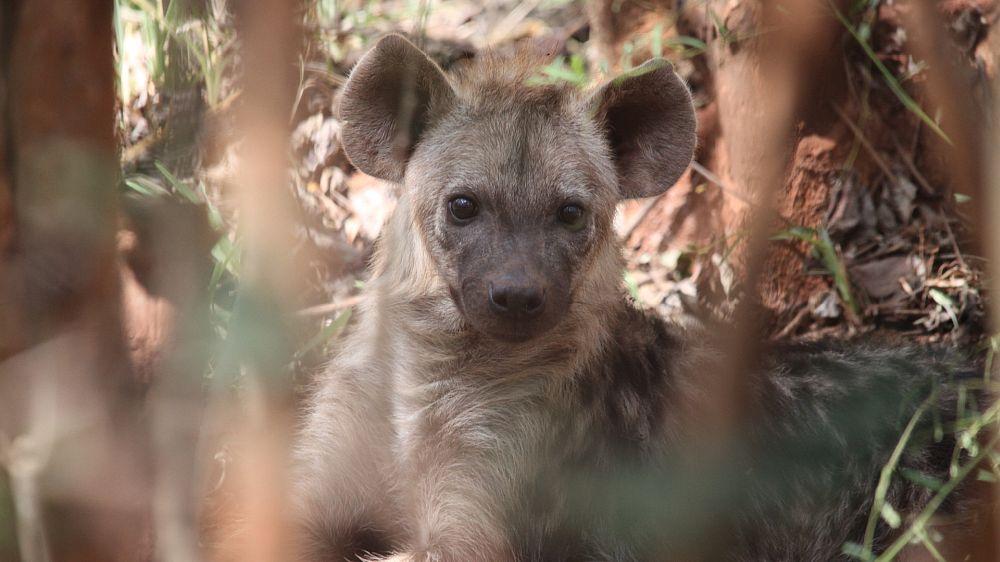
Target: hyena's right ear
pixel 394 93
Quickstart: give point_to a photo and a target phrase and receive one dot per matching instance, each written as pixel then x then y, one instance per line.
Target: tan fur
pixel 422 428
pixel 433 423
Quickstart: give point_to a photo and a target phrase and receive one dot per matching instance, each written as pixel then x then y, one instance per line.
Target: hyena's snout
pixel 516 295
pixel 514 300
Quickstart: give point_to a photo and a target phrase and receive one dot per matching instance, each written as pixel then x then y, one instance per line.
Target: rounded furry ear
pixel 649 120
pixel 393 94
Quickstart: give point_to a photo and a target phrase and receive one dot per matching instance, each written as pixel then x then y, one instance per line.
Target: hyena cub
pixel 500 399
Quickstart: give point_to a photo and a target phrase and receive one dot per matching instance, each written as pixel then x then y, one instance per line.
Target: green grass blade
pixel 932 506
pixel 890 467
pixel 179 186
pixel 632 286
pixel 326 333
pixel 890 80
pixel 145 186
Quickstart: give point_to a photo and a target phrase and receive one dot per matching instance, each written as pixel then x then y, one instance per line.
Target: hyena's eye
pixel 572 216
pixel 463 208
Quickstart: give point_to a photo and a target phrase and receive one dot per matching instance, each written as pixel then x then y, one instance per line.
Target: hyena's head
pixel 513 184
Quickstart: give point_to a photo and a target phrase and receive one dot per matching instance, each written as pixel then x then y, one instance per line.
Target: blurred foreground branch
pixel 270 37
pixel 69 409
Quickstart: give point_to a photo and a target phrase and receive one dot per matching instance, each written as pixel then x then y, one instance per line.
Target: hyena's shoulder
pixel 651 368
pixel 640 375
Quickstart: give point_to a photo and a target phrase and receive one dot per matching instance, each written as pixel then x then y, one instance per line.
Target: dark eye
pixel 572 216
pixel 463 208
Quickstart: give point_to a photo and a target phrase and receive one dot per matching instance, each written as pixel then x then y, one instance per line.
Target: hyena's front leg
pixel 343 504
pixel 463 469
pixel 455 512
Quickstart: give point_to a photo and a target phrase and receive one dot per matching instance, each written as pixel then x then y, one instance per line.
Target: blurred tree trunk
pixel 8 543
pixel 71 438
pixel 742 36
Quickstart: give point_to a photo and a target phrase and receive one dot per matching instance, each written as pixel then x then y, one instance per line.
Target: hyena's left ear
pixel 649 120
pixel 394 93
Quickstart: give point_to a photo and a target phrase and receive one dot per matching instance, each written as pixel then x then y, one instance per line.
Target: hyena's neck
pixel 411 303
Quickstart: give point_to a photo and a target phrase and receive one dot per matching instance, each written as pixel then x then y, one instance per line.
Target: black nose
pixel 516 297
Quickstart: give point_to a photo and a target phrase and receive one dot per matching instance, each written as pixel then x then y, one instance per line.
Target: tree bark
pixel 72 440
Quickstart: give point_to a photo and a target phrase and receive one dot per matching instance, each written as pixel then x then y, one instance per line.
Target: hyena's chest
pixel 542 443
pixel 536 424
pixel 476 419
